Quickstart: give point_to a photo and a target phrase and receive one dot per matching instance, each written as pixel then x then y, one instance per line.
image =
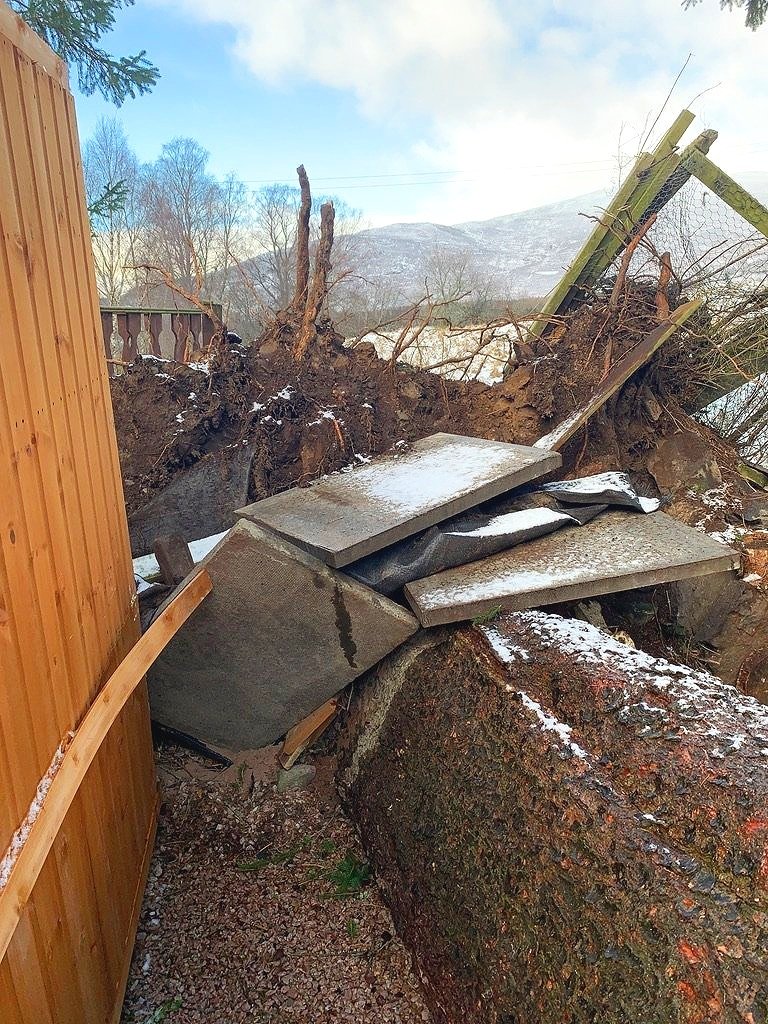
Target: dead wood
pixel 662 294
pixel 319 289
pixel 621 277
pixel 302 242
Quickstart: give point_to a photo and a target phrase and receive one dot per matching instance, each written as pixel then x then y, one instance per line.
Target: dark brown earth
pixel 341 404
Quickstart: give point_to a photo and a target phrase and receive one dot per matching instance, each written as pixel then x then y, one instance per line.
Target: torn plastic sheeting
pixel 466 538
pixel 608 488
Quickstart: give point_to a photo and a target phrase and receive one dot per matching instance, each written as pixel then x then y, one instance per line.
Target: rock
pixel 565 829
pixel 591 612
pixel 731 616
pixel 684 461
pixel 301 776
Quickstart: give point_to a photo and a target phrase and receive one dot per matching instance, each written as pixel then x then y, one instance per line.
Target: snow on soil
pixel 146 566
pixel 242 922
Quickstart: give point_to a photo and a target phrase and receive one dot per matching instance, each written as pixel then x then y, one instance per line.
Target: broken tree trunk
pixel 565 828
pixel 302 243
pixel 319 290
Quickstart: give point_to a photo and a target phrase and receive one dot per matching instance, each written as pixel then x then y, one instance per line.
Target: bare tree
pixel 280 227
pixel 112 170
pixel 189 215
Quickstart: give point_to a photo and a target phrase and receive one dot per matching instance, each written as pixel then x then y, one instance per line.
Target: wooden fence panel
pixel 68 613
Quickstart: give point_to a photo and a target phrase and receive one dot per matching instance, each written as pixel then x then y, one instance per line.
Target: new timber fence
pixel 77 786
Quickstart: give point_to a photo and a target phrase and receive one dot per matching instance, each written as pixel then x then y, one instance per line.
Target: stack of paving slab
pixel 287 625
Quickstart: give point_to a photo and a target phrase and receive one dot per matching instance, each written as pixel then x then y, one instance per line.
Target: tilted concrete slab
pixel 196 503
pixel 279 634
pixel 349 515
pixel 617 551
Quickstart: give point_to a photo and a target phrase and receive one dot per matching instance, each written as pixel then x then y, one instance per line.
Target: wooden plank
pixel 617 376
pixel 68 615
pixel 82 750
pixel 302 736
pixel 559 298
pixel 729 190
pixel 21 36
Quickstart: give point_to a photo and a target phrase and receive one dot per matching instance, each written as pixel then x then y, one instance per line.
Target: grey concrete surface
pixel 278 635
pixel 349 515
pixel 617 551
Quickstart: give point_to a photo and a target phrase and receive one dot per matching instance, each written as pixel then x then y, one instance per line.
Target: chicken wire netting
pixel 715 254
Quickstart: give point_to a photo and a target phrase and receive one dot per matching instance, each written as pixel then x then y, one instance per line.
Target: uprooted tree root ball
pixel 340 405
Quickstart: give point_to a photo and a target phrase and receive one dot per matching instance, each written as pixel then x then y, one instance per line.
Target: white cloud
pixel 527 99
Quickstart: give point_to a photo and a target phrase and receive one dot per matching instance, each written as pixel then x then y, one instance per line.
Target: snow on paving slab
pixel 345 516
pixel 617 551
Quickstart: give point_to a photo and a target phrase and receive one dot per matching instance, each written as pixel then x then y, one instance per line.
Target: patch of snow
pixel 141 584
pixel 201 367
pixel 514 522
pixel 649 504
pixel 588 489
pixel 257 407
pixel 694 692
pixel 552 724
pixel 21 834
pixel 419 481
pixel 729 535
pixel 285 395
pixel 325 414
pixel 504 649
pixel 147 568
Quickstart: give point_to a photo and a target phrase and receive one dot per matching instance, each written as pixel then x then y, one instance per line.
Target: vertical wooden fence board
pixel 68 612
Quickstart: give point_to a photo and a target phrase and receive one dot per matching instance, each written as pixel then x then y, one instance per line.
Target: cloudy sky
pixel 444 110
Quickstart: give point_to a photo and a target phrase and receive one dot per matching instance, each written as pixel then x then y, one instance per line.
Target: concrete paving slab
pixel 196 503
pixel 349 515
pixel 279 634
pixel 617 551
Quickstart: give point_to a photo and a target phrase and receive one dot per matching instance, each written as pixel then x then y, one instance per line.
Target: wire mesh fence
pixel 713 253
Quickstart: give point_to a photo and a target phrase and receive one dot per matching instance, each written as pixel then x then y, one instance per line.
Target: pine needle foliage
pixel 73 29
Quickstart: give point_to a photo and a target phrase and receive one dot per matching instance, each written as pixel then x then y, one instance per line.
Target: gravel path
pixel 259 908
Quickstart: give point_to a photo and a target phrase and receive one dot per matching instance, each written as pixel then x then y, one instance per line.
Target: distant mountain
pixel 520 253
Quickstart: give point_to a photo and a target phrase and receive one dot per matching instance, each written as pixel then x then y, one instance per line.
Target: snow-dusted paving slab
pixel 349 515
pixel 616 551
pixel 278 635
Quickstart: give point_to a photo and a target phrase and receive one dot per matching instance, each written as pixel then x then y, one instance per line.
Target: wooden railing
pixel 184 335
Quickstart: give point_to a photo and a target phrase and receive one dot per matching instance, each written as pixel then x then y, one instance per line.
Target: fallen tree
pixel 566 829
